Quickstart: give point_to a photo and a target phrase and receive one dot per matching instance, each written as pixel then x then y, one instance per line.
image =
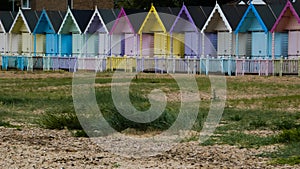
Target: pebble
pixel 41 148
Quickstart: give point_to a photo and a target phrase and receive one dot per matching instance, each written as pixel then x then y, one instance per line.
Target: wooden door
pixel 40 44
pixel 3 42
pixel 51 44
pixel 259 44
pixel 26 43
pixel 178 45
pixel 66 44
pixel 77 41
pixel 116 44
pixel 129 44
pixel 294 43
pixel 103 44
pixel 210 44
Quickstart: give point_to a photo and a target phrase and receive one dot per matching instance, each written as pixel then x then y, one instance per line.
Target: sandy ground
pixel 40 148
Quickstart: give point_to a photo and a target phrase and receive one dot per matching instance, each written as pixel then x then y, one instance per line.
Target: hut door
pixel 2 42
pixel 66 44
pixel 116 44
pixel 40 43
pixel 122 45
pixel 160 43
pixel 294 43
pixel 147 45
pixel 242 44
pixel 77 41
pixel 51 44
pixel 129 44
pixel 103 44
pixel 91 44
pixel 224 43
pixel 210 46
pixel 26 43
pixel 191 41
pixel 16 43
pixel 178 44
pixel 259 47
pixel 281 44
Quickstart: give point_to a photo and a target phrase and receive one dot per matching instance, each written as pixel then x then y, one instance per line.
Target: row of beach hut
pixel 250 31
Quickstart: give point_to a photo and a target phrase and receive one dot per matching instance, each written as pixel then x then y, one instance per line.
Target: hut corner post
pixel 299 66
pixel 281 66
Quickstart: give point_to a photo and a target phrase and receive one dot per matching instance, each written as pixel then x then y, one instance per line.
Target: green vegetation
pixel 254 105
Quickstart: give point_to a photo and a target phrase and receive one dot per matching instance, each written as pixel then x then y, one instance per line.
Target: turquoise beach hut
pixel 71 31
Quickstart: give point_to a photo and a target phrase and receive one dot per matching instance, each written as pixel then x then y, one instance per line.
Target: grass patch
pixel 288 154
pixel 241 140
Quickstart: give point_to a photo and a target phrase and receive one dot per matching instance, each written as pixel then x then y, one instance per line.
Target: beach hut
pixel 6 21
pixel 154 32
pixel 71 35
pixel 185 31
pixel 97 32
pixel 124 32
pixel 45 33
pixel 253 37
pixel 286 33
pixel 218 38
pixel 21 37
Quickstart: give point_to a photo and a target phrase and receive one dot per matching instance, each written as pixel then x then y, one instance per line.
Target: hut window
pixel 25 4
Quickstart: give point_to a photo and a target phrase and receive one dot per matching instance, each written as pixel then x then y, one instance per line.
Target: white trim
pixel 2 27
pixel 92 18
pixel 218 9
pixel 65 19
pixel 20 13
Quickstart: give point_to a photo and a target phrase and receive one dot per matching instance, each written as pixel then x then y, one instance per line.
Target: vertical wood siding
pixel 52 44
pixel 178 44
pixel 40 43
pixel 210 44
pixel 294 43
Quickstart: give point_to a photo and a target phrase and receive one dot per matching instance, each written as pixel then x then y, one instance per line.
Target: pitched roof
pixel 230 15
pixel 7 19
pixel 162 16
pixel 96 23
pixel 109 16
pixel 184 21
pixel 199 14
pixel 134 18
pixel 168 16
pixel 281 16
pixel 265 14
pixel 29 18
pixel 82 18
pixel 234 13
pixel 56 18
pixel 53 18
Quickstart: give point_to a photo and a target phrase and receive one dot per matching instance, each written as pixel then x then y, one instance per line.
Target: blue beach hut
pixel 253 37
pixel 45 33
